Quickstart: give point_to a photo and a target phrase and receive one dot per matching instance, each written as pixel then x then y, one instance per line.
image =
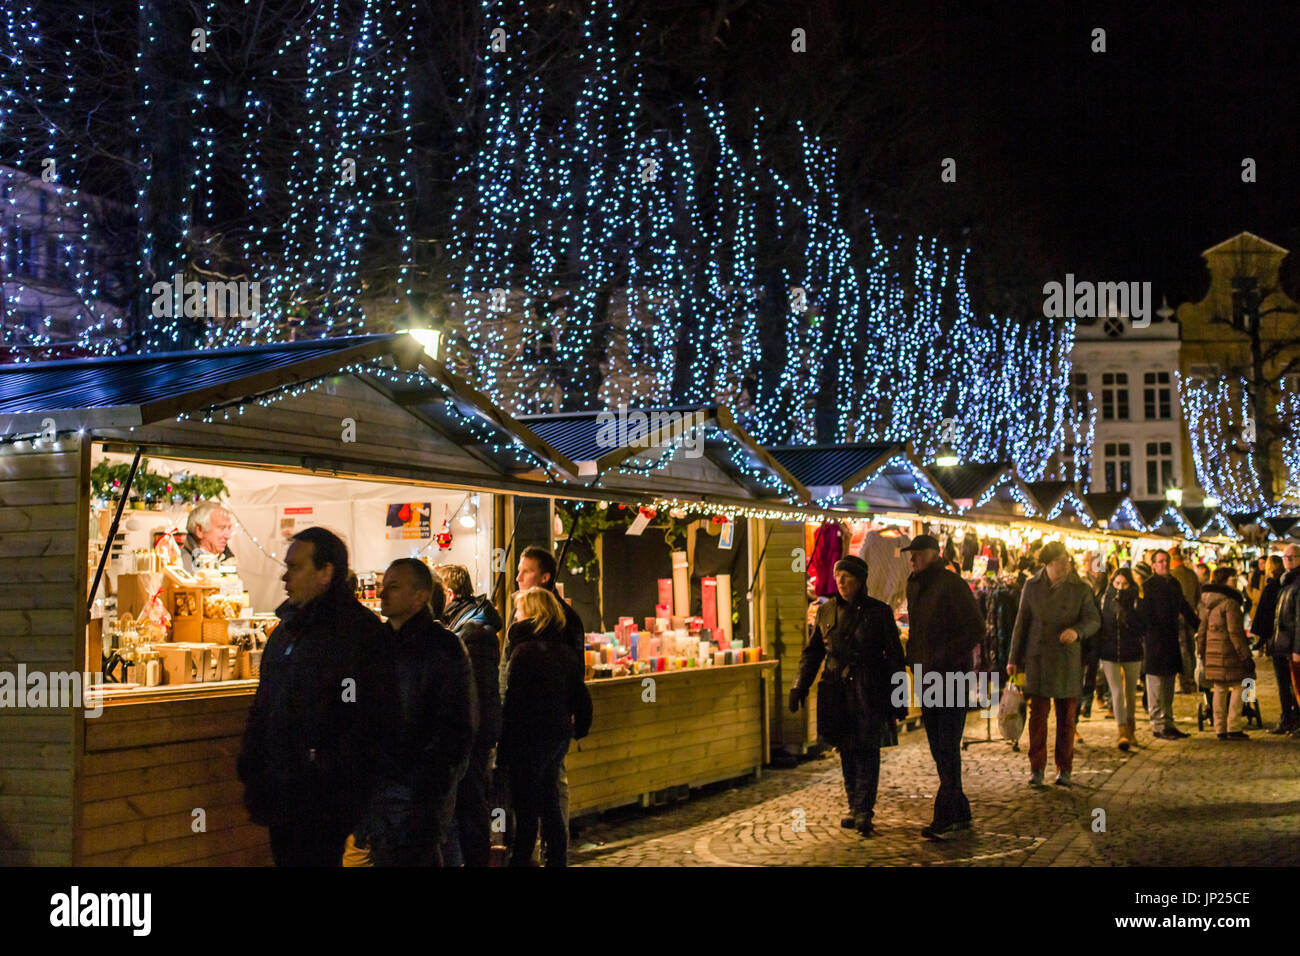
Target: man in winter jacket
pixel 538 569
pixel 426 750
pixel 1285 646
pixel 476 622
pixel 944 628
pixel 1186 578
pixel 308 762
pixel 857 638
pixel 1057 613
pixel 1162 606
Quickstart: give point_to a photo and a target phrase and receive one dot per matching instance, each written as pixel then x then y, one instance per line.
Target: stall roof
pixel 1117 509
pixel 130 391
pixel 1160 516
pixel 1281 526
pixel 613 443
pixel 878 475
pixel 1048 494
pixel 980 483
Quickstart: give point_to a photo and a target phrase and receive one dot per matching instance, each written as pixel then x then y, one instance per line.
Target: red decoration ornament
pixel 719 519
pixel 649 513
pixel 443 537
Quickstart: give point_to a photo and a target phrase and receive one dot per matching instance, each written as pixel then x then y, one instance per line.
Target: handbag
pixel 1011 712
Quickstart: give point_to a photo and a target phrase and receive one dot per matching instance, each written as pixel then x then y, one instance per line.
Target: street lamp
pixel 946 457
pixel 421 323
pixel 1174 496
pixel 1210 501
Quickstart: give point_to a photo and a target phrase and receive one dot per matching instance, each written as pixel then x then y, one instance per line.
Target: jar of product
pixel 151 663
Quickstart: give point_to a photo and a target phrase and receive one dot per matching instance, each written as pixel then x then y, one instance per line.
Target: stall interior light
pixel 1174 496
pixel 1210 501
pixel 430 340
pixel 946 457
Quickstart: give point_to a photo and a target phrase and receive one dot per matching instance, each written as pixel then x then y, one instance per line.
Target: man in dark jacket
pixel 428 747
pixel 856 636
pixel 538 569
pixel 1162 606
pixel 476 622
pixel 944 628
pixel 1285 646
pixel 308 758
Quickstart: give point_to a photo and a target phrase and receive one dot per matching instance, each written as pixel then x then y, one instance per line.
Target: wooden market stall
pixel 119 782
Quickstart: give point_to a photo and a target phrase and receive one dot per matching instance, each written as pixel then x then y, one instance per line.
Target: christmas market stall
pixel 104 462
pixel 660 555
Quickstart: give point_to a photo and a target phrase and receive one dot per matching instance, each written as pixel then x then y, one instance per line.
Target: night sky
pixel 1123 165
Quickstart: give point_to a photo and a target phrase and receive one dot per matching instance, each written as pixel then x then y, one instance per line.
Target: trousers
pixel 1066 709
pixel 943 730
pixel 308 842
pixel 1160 701
pixel 535 792
pixel 1227 706
pixel 1123 680
pixel 860 764
pixel 1286 693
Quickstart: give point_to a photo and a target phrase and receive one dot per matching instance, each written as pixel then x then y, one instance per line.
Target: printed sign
pixel 410 521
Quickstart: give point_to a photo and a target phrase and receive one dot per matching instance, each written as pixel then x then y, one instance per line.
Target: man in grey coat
pixel 1057 610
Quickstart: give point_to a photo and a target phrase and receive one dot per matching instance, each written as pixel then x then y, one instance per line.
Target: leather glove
pixel 797 697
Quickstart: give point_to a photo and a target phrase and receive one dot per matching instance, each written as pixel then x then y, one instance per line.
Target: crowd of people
pixel 387 743
pixel 1107 634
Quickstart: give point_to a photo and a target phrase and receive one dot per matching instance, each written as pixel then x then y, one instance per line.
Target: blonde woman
pixel 545 703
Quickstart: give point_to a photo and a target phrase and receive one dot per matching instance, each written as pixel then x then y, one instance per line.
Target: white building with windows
pixel 1126 376
pixel 63 280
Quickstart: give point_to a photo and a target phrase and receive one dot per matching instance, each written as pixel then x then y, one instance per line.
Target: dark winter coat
pixel 427 748
pixel 864 659
pixel 1221 639
pixel 1053 669
pixel 1286 628
pixel 310 748
pixel 546 700
pixel 476 622
pixel 1261 624
pixel 1161 606
pixel 1122 627
pixel 944 623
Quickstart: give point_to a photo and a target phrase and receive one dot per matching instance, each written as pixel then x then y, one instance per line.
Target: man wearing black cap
pixel 944 625
pixel 856 636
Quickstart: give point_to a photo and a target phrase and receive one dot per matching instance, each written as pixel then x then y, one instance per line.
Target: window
pixel 1117 466
pixel 1114 396
pixel 1079 394
pixel 1156 395
pixel 22 254
pixel 1160 468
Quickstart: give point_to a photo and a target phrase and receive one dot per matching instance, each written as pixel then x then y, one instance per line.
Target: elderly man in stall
pixel 209 529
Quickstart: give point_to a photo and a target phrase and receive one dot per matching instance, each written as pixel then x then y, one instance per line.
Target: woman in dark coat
pixel 1119 648
pixel 546 703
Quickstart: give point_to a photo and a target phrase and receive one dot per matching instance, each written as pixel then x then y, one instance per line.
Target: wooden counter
pixel 704 725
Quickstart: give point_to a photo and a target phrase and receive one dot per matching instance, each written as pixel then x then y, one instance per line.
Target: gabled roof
pixel 128 391
pixel 1282 525
pixel 1243 239
pixel 600 441
pixel 1117 509
pixel 978 483
pixel 1150 511
pixel 833 466
pixel 865 475
pixel 1049 493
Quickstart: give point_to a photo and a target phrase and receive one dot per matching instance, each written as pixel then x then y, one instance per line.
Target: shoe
pixel 1294 733
pixel 936 832
pixel 1124 745
pixel 1223 736
pixel 1123 736
pixel 1282 729
pixel 1173 733
pixel 1078 737
pixel 1036 778
pixel 1063 778
pixel 863 826
pixel 1132 732
pixel 847 823
pixel 1238 735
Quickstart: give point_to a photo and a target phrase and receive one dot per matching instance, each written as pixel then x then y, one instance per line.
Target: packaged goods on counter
pixel 662 644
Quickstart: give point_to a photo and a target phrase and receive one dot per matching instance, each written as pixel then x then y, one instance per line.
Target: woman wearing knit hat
pixel 857 638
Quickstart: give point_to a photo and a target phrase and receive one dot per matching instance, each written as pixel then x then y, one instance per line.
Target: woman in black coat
pixel 1119 648
pixel 1261 622
pixel 546 703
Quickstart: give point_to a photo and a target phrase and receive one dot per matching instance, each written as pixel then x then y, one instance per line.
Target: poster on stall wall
pixel 409 521
pixel 293 520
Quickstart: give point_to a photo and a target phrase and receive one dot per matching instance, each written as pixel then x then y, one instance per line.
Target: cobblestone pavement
pixel 1193 802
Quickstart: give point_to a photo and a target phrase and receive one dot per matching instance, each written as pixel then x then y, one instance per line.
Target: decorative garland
pixel 108 482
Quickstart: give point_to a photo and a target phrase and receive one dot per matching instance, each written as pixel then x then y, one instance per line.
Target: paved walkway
pixel 1194 802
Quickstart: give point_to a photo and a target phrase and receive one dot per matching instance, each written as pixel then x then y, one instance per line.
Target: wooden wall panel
pixel 43 494
pixel 786 607
pixel 704 725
